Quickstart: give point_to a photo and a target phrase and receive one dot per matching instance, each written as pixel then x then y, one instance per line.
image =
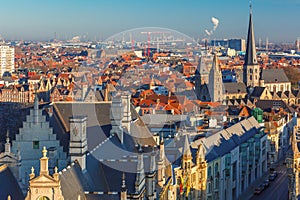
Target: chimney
pixel 78 140
pixel 106 92
pixel 116 116
pixel 126 103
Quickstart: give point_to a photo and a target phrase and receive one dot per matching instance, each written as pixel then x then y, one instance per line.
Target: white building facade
pixel 7 59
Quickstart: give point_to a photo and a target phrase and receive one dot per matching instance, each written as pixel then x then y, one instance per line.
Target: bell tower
pixel 251 69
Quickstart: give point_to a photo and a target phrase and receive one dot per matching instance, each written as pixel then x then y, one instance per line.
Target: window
pixel 35 144
pixel 274 88
pixel 209 172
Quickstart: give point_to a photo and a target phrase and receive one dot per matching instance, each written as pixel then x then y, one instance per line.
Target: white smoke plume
pixel 215 23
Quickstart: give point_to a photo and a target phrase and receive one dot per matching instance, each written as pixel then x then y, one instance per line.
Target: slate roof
pixel 98 123
pixel 9 185
pixel 73 174
pixel 234 88
pixel 230 138
pixel 274 76
pixel 267 105
pixel 162 118
pixel 257 92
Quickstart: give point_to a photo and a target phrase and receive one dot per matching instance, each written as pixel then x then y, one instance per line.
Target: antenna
pixel 250 4
pixel 298 44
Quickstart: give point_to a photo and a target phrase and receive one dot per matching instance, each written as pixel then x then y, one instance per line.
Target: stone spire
pixel 250 57
pixel 215 85
pixel 251 74
pixel 186 148
pixel 215 64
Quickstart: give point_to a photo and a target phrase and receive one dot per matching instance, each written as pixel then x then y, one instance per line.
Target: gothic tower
pixel 251 69
pixel 215 85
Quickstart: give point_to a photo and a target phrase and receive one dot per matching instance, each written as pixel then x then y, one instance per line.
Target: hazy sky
pixel 39 19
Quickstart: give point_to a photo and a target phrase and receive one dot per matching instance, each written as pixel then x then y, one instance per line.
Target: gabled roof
pixel 79 183
pixel 274 76
pixel 235 88
pixel 257 92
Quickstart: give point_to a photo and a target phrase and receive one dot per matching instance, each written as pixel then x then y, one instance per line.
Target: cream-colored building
pixel 7 59
pixel 44 186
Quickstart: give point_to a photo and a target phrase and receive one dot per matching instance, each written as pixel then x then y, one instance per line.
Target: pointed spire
pixel 215 64
pixel 250 57
pixel 84 79
pixel 186 148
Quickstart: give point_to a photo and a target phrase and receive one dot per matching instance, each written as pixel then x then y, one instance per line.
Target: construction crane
pixel 149 39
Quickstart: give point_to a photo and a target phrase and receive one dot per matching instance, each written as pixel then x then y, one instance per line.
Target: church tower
pixel 215 85
pixel 251 69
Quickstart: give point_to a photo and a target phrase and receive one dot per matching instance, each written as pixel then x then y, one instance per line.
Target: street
pixel 278 189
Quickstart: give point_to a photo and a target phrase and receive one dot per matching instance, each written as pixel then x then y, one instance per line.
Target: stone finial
pixel 56 175
pixel 7 144
pixel 123 181
pixel 32 175
pixel 44 151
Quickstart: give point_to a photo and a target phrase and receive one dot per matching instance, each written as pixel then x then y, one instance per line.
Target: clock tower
pixel 78 140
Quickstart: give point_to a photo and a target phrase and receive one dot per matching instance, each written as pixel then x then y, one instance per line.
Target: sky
pixel 98 19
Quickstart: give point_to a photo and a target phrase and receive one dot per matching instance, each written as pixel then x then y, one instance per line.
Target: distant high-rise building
pixel 222 42
pixel 7 59
pixel 237 44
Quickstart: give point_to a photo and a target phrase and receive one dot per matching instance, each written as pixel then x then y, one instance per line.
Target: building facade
pixel 7 59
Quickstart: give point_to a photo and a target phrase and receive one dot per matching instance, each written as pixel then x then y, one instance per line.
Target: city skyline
pixel 35 20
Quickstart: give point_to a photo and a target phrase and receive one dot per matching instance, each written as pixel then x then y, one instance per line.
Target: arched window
pixel 43 198
pixel 274 88
pixel 209 172
pixel 281 88
pixel 216 168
